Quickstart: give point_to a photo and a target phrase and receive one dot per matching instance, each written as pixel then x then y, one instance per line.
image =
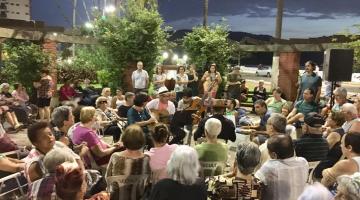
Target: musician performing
pixel 139 114
pixel 212 80
pixel 162 108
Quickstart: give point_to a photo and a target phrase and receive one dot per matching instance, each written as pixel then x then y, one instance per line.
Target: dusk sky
pixel 302 18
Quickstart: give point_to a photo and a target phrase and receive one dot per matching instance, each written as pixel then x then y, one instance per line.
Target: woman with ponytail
pixel 160 154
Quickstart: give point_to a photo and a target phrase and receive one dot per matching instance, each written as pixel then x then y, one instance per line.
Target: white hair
pixel 213 127
pixel 351 184
pixel 342 92
pixel 56 157
pixel 184 165
pixel 349 108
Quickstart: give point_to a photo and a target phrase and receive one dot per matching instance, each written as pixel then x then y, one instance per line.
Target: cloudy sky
pixel 302 18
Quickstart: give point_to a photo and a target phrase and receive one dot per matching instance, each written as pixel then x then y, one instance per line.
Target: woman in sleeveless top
pixel 212 80
pixel 193 80
pixel 159 77
pixel 350 146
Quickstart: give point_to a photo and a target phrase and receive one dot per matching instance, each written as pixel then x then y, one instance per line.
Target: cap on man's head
pixel 237 67
pixel 243 81
pixel 314 120
pixel 162 90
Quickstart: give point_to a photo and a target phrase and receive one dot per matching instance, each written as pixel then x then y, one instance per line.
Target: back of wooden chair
pixel 130 187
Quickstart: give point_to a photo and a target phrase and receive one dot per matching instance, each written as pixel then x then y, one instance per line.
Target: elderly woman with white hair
pixel 243 185
pixel 340 95
pixel 348 187
pixel 183 181
pixel 212 150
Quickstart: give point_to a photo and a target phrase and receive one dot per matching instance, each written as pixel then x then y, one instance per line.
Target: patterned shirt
pixel 120 166
pixel 224 188
pixel 44 90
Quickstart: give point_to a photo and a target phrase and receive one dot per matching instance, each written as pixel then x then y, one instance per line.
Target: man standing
pixel 309 80
pixel 140 78
pixel 234 80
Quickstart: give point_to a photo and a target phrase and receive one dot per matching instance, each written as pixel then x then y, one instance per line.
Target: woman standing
pixel 193 80
pixel 181 82
pixel 212 80
pixel 159 77
pixel 44 94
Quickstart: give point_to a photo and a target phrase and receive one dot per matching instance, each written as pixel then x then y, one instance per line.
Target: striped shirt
pixel 312 147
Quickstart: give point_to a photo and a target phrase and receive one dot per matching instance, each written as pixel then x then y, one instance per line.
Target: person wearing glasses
pixel 107 118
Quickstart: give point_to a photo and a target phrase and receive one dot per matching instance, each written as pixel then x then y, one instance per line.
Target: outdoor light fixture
pixel 69 61
pixel 185 57
pixel 165 55
pixel 110 9
pixel 89 25
pixel 55 34
pixel 175 57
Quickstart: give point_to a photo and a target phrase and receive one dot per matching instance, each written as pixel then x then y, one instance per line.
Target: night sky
pixel 302 18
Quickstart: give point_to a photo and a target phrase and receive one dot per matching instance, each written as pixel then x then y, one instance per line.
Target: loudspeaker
pixel 338 64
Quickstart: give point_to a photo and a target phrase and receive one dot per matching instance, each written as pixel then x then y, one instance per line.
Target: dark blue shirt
pixel 134 116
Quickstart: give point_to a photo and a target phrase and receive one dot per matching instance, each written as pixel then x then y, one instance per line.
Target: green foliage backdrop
pixel 23 61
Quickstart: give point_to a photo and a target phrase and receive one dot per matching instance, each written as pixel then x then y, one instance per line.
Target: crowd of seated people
pixel 147 159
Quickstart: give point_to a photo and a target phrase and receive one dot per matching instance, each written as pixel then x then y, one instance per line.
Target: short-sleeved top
pixel 280 175
pixel 275 106
pixel 139 77
pixel 83 134
pixel 134 116
pixel 212 153
pixel 306 107
pixel 159 157
pixel 43 91
pixel 159 77
pixel 312 81
pixel 181 87
pixel 156 105
pixel 312 147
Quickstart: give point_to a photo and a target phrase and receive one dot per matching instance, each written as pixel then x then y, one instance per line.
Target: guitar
pixel 162 116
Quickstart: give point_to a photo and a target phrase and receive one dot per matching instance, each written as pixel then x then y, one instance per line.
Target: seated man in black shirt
pixel 227 126
pixel 128 102
pixel 312 146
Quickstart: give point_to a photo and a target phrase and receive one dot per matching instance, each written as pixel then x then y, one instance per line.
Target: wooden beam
pixel 289 47
pixel 39 35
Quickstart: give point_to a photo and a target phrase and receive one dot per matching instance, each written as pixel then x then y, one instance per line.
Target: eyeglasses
pixel 103 101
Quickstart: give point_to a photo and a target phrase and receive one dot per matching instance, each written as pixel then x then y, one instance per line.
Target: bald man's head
pixel 355 127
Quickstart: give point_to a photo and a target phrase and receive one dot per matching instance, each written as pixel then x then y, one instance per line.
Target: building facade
pixel 15 9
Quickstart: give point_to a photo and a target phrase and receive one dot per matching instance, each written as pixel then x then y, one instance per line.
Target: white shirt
pixel 154 105
pixel 347 125
pixel 180 87
pixel 139 78
pixel 284 179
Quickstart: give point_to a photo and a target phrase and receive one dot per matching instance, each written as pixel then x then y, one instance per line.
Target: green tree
pixel 137 35
pixel 208 45
pixel 355 44
pixel 23 61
